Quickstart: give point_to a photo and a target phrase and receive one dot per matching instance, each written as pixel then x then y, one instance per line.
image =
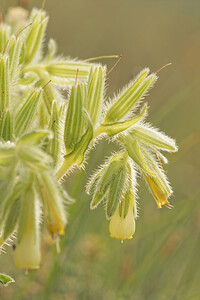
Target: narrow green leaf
pixel 5 279
pixel 52 48
pixel 11 219
pixel 115 128
pixel 5 32
pixel 153 137
pixel 35 35
pixel 54 143
pixel 33 138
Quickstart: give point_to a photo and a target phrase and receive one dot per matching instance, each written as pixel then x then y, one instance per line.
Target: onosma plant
pixel 44 134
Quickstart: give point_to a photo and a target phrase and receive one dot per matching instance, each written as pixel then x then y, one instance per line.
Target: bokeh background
pixel 162 261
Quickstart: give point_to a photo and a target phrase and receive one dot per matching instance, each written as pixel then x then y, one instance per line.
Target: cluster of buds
pixel 43 136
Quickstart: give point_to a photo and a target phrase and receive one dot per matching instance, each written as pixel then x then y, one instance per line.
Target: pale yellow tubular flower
pixel 159 195
pixel 54 210
pixel 27 253
pixel 123 228
pixel 54 221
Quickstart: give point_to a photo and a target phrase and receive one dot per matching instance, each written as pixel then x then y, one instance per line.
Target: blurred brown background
pixel 162 261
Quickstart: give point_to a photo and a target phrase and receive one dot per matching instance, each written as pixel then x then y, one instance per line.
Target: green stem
pixel 37 69
pixel 67 164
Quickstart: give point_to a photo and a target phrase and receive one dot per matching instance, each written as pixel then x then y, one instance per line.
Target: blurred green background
pixel 162 261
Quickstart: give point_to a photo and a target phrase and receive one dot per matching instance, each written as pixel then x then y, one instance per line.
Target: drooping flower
pixel 27 253
pixel 122 226
pixel 158 191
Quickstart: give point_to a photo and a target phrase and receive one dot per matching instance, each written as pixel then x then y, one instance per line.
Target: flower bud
pixel 96 86
pixel 129 97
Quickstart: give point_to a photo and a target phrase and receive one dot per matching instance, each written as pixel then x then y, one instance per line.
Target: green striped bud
pixel 67 69
pixel 4 83
pixel 35 35
pixel 5 32
pixel 14 51
pixel 95 93
pixel 129 97
pixel 153 137
pixel 25 114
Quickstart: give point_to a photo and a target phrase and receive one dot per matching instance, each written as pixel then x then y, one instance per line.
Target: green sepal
pixel 26 113
pixel 124 205
pixel 12 218
pixel 115 128
pixel 115 192
pixel 52 196
pixel 34 158
pixel 130 97
pixel 74 123
pixel 79 150
pixel 160 179
pixel 95 91
pixel 4 83
pixel 103 179
pixel 52 48
pixel 7 154
pixel 7 128
pixel 50 93
pixel 54 143
pixel 134 151
pixel 5 279
pixel 76 157
pixel 14 52
pixel 13 196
